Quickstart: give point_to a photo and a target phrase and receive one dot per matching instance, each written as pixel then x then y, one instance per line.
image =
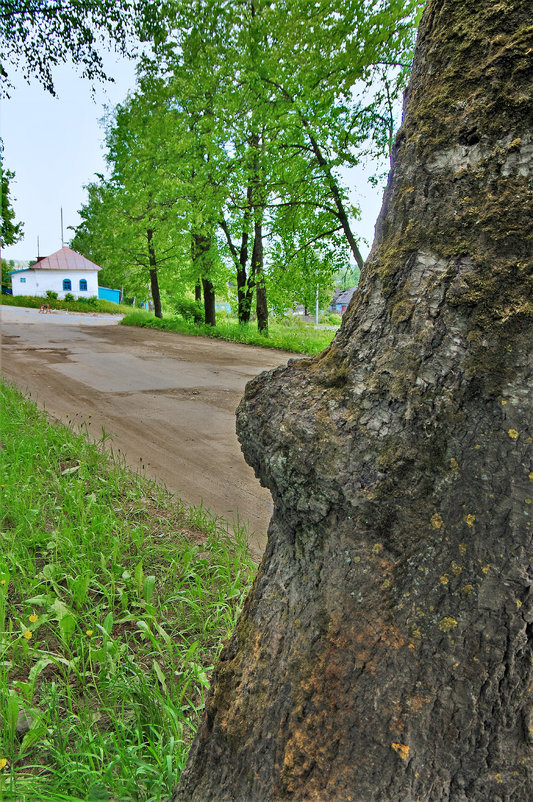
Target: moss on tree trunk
pixel 385 651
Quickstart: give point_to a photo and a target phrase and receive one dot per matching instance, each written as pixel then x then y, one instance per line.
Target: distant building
pixel 340 301
pixel 63 272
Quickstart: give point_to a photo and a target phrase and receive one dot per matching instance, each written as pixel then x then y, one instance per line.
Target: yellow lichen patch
pixel 416 633
pixel 454 465
pixel 518 604
pixel 447 624
pixel 477 446
pixel 436 521
pixel 503 402
pixel 486 568
pixel 531 476
pixel 416 703
pixel 377 548
pixel 462 547
pixel 467 588
pixel 527 500
pixel 512 433
pixel 402 749
pixel 444 579
pixel 456 569
pixel 470 519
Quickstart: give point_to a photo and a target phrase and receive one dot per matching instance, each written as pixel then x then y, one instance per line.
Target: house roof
pixel 346 296
pixel 67 260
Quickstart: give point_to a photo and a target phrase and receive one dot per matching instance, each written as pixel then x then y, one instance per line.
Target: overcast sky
pixel 55 146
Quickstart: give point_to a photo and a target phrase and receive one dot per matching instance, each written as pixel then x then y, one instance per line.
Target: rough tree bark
pixel 385 651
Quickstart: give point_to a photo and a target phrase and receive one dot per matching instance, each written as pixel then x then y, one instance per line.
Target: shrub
pixel 69 297
pixel 51 295
pixel 191 311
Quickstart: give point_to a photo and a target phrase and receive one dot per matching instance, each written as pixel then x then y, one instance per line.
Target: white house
pixel 62 272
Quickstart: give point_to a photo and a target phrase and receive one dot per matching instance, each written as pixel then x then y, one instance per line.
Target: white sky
pixel 55 146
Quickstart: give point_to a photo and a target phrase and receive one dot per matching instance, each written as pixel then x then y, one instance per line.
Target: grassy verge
pixel 89 305
pixel 114 602
pixel 294 336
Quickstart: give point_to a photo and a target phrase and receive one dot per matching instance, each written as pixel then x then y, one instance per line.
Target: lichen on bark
pixel 385 651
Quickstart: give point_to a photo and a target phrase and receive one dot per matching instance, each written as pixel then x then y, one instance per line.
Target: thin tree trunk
pixel 259 277
pixel 245 284
pixel 198 290
pixel 200 248
pixel 385 652
pixel 209 303
pixel 154 281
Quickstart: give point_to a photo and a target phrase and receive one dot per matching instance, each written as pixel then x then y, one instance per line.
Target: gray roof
pixel 346 296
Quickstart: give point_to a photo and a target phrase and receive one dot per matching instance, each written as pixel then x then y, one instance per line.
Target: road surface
pixel 167 400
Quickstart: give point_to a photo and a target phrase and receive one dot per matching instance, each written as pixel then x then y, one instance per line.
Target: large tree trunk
pixel 385 651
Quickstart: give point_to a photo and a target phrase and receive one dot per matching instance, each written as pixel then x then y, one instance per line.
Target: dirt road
pixel 167 400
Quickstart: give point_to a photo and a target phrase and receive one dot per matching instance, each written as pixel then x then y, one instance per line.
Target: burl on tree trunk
pixel 385 651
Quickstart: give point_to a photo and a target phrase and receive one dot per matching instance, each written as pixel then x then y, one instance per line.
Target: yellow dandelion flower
pixel 28 635
pixel 33 618
pixel 2 581
pixel 513 433
pixel 89 632
pixel 3 763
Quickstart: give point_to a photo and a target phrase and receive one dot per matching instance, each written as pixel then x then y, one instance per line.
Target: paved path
pixel 167 400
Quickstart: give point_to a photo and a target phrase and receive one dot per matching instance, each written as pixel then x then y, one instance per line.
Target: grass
pixel 290 335
pixel 114 603
pixel 88 305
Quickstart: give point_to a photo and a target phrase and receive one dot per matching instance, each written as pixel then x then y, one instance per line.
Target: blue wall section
pixel 105 294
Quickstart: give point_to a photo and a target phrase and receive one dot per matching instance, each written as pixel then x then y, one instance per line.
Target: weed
pixel 114 603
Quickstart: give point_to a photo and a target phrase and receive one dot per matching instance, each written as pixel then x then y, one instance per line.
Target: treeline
pixel 227 163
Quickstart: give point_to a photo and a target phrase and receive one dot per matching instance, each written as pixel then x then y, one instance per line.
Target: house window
pixel 83 285
pixel 67 284
pixel 23 281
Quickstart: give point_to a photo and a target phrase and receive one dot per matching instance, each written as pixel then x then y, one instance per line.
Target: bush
pixel 191 311
pixel 51 295
pixel 69 297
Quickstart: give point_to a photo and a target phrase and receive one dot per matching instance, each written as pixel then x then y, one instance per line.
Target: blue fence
pixel 105 294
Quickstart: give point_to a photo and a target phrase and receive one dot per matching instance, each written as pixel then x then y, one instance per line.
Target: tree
pixel 37 35
pixel 10 232
pixel 385 650
pixel 301 90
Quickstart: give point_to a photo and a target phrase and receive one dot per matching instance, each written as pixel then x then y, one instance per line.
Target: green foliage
pixel 114 602
pixel 69 297
pixel 36 36
pixel 51 295
pixel 190 311
pixel 7 267
pixel 10 232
